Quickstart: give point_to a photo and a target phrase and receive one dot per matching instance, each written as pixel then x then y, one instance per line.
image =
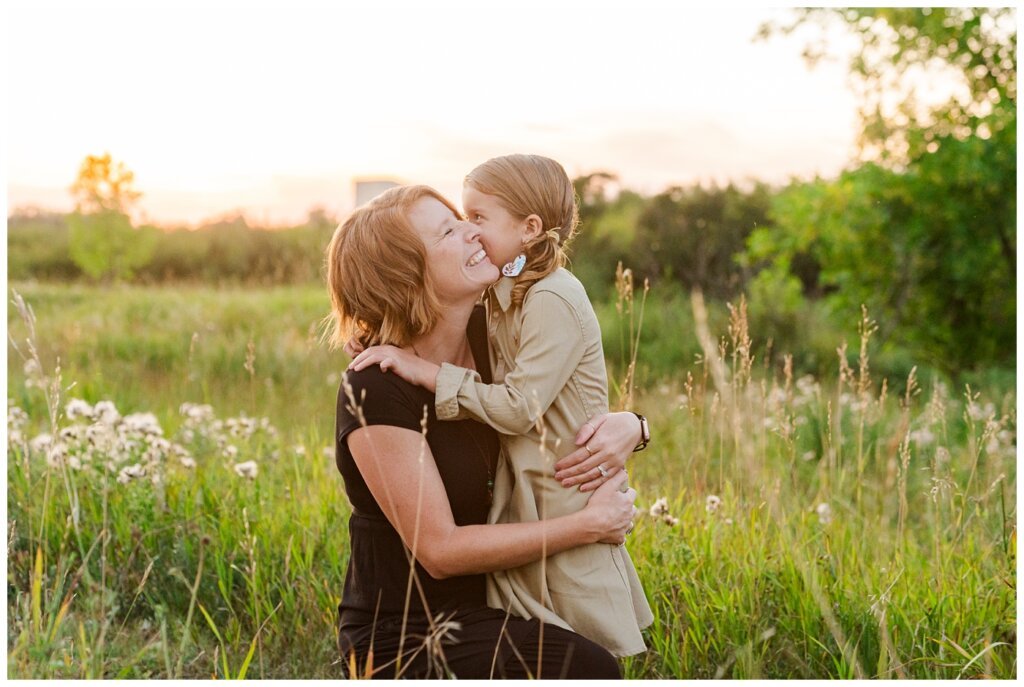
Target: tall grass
pixel 853 526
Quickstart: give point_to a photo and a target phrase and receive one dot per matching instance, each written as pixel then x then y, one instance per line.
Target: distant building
pixel 368 189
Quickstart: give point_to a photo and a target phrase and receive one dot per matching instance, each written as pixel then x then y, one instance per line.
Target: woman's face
pixel 457 262
pixel 501 234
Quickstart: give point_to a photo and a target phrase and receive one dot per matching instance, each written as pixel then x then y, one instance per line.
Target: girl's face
pixel 457 262
pixel 502 234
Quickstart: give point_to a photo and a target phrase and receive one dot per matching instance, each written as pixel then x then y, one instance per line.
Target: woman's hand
pixel 604 443
pixel 402 362
pixel 612 511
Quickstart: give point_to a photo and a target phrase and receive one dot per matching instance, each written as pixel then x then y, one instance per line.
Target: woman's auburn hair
pixel 532 185
pixel 381 291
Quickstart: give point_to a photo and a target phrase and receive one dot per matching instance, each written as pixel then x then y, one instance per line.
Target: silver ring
pixel 602 470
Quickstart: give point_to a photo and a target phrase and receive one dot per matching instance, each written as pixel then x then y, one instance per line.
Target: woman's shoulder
pixel 371 391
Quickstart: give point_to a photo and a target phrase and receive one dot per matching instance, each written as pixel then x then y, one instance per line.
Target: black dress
pixel 448 630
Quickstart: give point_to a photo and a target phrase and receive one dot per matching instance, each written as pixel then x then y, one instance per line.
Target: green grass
pixel 910 572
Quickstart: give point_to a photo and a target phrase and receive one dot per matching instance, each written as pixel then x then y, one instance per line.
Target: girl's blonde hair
pixel 533 185
pixel 377 278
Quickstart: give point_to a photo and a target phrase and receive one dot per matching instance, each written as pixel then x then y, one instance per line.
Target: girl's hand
pixel 402 362
pixel 612 511
pixel 352 348
pixel 605 442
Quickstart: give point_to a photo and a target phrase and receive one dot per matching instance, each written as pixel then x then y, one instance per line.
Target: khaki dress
pixel 549 379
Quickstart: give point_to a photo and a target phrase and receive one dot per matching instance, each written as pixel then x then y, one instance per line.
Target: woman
pixel 406 270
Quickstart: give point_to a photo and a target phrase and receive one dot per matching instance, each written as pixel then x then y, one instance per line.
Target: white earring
pixel 512 269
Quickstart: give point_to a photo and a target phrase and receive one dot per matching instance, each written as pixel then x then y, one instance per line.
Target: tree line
pixel 920 228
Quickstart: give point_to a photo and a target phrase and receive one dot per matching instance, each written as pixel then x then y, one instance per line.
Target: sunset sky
pixel 219 107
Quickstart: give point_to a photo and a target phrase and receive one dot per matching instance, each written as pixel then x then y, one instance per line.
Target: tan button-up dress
pixel 549 379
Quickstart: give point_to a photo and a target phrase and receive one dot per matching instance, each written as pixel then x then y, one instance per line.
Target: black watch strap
pixel 645 433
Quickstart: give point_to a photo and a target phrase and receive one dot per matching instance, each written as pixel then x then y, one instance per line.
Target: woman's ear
pixel 534 227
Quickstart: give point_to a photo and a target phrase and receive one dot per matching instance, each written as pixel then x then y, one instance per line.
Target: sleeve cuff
pixel 446 396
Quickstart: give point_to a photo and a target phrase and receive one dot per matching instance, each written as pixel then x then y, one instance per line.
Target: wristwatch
pixel 645 433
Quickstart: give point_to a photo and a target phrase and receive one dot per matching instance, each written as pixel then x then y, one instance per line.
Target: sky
pixel 274 109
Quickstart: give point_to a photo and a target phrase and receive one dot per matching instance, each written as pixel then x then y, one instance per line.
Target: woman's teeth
pixel 476 258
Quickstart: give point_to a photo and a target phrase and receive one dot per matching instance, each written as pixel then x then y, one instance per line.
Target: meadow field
pixel 174 509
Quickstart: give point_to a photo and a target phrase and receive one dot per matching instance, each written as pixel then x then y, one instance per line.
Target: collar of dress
pixel 501 293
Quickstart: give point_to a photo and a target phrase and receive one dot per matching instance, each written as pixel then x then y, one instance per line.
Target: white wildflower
pixel 659 508
pixel 56 454
pixel 196 413
pixel 824 512
pixel 942 455
pixel 106 413
pixel 328 452
pixel 808 456
pixel 246 469
pixel 131 472
pixel 922 437
pixel 16 417
pixel 230 452
pixel 41 443
pixel 34 374
pixel 299 450
pixel 776 397
pixel 77 408
pixel 682 401
pixel 187 461
pixel 72 434
pixel 99 435
pixel 670 520
pixel 144 423
pixel 978 412
pixel 712 503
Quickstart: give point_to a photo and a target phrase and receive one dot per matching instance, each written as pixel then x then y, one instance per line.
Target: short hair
pixel 377 278
pixel 532 185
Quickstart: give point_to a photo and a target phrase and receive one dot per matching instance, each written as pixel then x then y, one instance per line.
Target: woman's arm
pixel 400 472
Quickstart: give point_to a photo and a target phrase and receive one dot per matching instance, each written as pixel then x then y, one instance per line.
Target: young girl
pixel 549 379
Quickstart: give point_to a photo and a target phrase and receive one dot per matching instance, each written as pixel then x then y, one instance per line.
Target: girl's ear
pixel 533 228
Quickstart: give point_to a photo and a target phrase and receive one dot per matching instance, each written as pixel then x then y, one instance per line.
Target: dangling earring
pixel 512 269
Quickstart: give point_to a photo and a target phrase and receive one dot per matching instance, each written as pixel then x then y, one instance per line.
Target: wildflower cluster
pixel 97 438
pixel 231 438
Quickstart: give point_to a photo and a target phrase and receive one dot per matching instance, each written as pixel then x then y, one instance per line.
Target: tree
pixel 974 49
pixel 103 242
pixel 924 231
